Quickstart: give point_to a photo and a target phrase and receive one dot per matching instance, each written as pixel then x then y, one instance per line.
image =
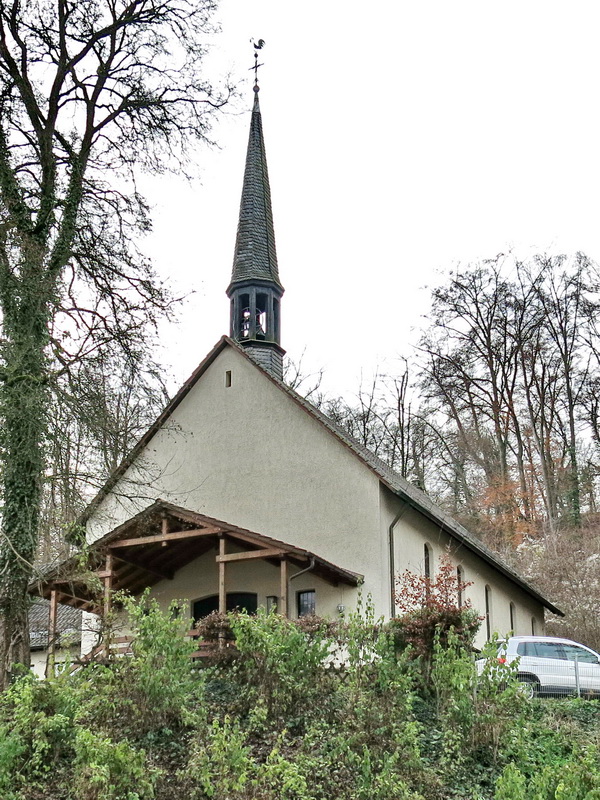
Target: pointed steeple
pixel 255 289
pixel 255 254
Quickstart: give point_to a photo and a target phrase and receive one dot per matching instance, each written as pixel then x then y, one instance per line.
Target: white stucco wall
pixel 413 531
pixel 38 662
pixel 249 455
pixel 199 579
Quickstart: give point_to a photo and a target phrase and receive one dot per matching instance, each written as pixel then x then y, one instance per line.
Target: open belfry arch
pixel 156 543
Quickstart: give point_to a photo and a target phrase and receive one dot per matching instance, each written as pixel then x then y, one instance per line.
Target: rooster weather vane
pixel 257 46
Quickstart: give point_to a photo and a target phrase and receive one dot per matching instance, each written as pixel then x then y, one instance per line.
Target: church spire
pixel 255 290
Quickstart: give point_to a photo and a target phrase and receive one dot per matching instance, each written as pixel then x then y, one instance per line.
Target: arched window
pixel 460 585
pixel 513 618
pixel 427 561
pixel 488 612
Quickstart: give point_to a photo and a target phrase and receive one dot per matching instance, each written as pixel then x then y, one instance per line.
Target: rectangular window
pixel 227 378
pixel 272 603
pixel 306 603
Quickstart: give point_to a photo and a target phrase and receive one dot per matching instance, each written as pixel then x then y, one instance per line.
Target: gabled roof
pixel 154 544
pixel 255 256
pixel 392 480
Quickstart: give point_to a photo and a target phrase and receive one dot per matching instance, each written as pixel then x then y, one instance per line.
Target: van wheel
pixel 529 686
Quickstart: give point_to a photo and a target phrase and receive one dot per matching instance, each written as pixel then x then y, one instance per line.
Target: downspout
pixel 391 542
pixel 302 571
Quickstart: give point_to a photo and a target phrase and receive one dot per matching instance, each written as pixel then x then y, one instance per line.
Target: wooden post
pixel 222 587
pixel 50 661
pixel 108 583
pixel 222 591
pixel 283 582
pixel 108 578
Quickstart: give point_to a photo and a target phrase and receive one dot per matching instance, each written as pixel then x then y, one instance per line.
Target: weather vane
pixel 257 46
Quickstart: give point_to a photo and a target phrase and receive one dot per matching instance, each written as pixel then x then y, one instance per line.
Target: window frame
pixel 312 607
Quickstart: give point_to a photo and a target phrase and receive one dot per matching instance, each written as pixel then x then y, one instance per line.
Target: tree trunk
pixel 22 404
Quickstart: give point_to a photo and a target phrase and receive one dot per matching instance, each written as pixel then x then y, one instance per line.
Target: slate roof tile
pixel 255 256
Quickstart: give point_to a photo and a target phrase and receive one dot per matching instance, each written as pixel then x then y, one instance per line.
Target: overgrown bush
pixel 430 608
pixel 309 711
pixel 280 664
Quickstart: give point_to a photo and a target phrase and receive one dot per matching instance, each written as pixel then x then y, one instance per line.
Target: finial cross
pixel 257 46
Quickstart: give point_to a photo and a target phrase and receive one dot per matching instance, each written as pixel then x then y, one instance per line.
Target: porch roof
pixel 154 544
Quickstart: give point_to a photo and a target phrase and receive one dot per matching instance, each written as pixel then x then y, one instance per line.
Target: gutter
pixel 391 544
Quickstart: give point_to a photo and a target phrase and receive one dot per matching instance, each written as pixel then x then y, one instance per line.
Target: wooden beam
pixel 222 590
pixel 102 573
pixel 248 554
pixel 52 633
pixel 65 597
pixel 253 539
pixel 164 537
pixel 283 587
pixel 166 576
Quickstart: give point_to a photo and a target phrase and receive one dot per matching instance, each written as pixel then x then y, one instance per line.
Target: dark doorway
pixel 240 601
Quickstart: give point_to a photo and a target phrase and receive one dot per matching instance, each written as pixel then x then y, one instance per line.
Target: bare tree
pixel 99 411
pixel 566 295
pixel 90 91
pixel 510 368
pixel 472 369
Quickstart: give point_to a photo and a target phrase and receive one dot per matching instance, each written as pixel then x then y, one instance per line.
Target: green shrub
pixel 578 778
pixel 222 765
pixel 280 722
pixel 37 729
pixel 279 664
pixel 154 686
pixel 106 770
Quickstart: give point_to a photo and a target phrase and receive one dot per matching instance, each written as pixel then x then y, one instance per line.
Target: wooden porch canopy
pixel 157 542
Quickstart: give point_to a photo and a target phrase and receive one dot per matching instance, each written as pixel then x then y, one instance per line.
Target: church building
pixel 243 494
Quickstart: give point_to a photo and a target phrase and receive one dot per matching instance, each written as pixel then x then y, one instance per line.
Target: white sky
pixel 402 138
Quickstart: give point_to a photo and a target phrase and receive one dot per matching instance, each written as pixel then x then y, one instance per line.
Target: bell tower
pixel 255 290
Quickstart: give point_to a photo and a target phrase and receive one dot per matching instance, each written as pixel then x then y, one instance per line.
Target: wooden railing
pixel 121 646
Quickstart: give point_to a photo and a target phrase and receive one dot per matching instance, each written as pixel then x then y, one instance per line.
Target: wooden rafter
pixel 165 575
pixel 65 597
pixel 53 611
